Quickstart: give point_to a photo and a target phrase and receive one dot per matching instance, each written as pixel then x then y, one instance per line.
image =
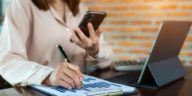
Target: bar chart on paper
pixel 92 86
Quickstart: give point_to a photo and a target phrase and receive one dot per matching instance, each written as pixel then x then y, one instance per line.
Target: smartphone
pixel 94 17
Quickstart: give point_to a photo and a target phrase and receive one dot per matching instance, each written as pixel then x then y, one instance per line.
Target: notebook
pixel 92 87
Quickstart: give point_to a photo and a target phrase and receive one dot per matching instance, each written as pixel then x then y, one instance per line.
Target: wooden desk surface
pixel 182 87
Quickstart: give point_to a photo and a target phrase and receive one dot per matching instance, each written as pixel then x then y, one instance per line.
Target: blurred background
pixel 131 25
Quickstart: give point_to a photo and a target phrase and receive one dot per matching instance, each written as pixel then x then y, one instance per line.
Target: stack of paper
pixel 92 86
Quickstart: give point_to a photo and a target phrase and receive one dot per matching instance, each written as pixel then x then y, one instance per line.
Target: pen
pixel 66 59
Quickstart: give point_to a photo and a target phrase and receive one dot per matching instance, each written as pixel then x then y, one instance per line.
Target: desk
pixel 182 87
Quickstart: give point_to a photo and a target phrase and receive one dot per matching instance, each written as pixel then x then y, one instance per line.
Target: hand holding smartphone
pixel 94 17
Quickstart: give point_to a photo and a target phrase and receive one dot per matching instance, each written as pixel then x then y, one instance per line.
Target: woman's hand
pixel 91 44
pixel 66 75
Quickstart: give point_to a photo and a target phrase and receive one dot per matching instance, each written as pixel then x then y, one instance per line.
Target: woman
pixel 32 29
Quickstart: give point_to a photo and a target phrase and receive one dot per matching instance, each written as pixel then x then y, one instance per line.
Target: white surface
pixel 102 88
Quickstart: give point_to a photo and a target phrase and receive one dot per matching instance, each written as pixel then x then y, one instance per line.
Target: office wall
pixel 132 25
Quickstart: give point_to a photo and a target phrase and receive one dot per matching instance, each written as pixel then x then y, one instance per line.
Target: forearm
pixel 104 57
pixel 19 72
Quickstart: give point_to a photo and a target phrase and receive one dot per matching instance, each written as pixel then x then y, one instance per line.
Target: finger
pixel 75 39
pixel 67 79
pixel 75 78
pixel 98 32
pixel 77 70
pixel 73 75
pixel 59 74
pixel 63 84
pixel 81 35
pixel 91 30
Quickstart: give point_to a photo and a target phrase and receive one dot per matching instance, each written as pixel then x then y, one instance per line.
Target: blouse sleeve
pixel 104 56
pixel 14 64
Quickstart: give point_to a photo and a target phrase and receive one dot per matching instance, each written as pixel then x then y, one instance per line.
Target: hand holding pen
pixel 66 59
pixel 66 75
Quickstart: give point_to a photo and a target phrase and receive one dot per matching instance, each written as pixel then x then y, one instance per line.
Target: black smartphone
pixel 94 17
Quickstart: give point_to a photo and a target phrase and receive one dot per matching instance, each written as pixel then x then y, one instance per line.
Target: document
pixel 92 87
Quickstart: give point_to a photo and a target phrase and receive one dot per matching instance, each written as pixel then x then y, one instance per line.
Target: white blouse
pixel 28 42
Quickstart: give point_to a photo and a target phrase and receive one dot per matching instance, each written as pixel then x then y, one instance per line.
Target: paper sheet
pixel 92 86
